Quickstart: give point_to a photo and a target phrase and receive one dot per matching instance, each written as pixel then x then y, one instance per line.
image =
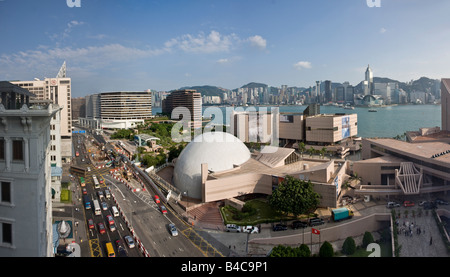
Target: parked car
pixel 392 205
pixel 441 202
pixel 130 242
pixel 233 228
pixel 279 227
pixel 250 229
pixel 163 209
pixel 299 224
pixel 408 204
pixel 101 228
pixel 173 229
pixel 429 206
pixel 316 221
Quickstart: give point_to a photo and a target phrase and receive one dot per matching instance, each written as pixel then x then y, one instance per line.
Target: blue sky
pixel 164 45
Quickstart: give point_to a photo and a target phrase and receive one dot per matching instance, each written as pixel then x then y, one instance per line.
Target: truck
pixel 341 214
pixel 87 202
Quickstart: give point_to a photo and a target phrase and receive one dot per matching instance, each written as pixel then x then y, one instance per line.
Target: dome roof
pixel 221 151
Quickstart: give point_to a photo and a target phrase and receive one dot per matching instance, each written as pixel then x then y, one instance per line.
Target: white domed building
pixel 219 151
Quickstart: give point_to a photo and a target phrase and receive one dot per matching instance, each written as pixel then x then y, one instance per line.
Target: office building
pixel 445 104
pixel 369 81
pixel 117 110
pixel 189 99
pixel 25 174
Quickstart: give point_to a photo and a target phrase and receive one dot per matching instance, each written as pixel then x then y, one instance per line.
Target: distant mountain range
pixel 422 84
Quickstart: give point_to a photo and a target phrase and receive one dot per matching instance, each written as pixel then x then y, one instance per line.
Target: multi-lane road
pixel 139 213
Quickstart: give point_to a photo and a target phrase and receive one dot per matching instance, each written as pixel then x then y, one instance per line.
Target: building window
pixel 2 149
pixel 18 150
pixel 5 190
pixel 6 233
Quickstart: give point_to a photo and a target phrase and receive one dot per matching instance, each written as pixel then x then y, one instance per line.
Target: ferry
pixel 373 111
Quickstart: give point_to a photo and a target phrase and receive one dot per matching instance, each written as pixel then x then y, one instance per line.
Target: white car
pixel 250 229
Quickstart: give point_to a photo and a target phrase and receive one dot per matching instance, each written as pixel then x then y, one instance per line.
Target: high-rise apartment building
pixel 58 90
pixel 188 98
pixel 25 174
pixel 445 103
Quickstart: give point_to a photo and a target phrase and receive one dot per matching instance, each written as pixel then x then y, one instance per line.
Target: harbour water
pixel 387 122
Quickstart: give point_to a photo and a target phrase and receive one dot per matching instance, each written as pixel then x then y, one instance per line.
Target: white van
pixel 115 211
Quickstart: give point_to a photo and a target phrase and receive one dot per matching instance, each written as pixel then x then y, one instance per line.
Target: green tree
pixel 323 151
pixel 294 196
pixel 326 250
pixel 301 147
pixel 349 246
pixel 367 239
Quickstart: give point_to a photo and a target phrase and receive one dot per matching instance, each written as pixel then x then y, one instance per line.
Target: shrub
pixel 349 246
pixel 367 239
pixel 326 250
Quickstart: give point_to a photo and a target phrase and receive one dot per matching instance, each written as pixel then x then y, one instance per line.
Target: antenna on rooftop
pixel 62 71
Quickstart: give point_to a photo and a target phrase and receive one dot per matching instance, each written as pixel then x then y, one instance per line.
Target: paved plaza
pixel 419 236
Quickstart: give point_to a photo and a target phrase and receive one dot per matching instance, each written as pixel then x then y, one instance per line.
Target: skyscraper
pixel 445 103
pixel 188 98
pixel 369 79
pixel 328 92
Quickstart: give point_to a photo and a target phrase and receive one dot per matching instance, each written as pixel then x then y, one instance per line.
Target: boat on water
pixel 349 107
pixel 373 111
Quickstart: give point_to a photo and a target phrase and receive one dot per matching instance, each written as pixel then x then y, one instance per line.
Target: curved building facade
pixel 220 151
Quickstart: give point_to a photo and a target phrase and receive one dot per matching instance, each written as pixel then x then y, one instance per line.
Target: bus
pixel 82 182
pixel 87 202
pixel 110 250
pixel 97 210
pixel 96 183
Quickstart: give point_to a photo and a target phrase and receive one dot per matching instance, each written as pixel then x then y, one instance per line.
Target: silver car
pixel 173 229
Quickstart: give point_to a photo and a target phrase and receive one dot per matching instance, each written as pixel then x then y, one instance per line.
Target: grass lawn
pixel 385 251
pixel 66 196
pixel 264 214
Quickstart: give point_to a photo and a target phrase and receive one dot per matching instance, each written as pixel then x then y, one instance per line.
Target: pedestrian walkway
pixel 419 236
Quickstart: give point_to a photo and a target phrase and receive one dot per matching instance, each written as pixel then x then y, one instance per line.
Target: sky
pixel 131 45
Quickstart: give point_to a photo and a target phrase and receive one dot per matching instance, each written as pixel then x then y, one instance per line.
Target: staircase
pixel 207 216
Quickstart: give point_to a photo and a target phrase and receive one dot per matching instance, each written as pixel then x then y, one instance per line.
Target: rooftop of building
pixel 439 151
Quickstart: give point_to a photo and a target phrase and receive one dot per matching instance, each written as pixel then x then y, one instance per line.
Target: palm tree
pixel 311 151
pixel 322 152
pixel 301 148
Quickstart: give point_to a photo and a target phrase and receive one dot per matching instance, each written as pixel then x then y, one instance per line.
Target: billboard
pixel 345 127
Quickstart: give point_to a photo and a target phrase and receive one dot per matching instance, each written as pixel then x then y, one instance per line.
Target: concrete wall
pixel 229 187
pixel 352 228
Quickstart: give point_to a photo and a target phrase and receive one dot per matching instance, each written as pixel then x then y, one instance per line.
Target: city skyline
pixel 162 45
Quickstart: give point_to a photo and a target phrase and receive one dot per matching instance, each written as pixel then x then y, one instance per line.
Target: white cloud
pixel 302 64
pixel 86 58
pixel 383 30
pixel 258 41
pixel 222 61
pixel 211 43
